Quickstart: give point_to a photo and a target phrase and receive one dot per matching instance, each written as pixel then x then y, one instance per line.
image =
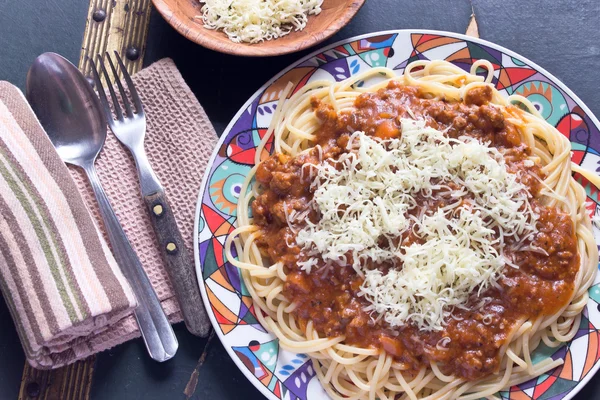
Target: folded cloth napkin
pixel 57 275
pixel 179 142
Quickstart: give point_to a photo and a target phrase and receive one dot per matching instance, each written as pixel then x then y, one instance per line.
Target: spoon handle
pixel 155 327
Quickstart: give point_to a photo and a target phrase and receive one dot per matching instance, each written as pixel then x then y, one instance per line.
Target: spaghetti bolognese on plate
pixel 400 223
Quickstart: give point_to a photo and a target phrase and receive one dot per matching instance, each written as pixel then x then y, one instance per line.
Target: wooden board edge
pixel 72 382
pixel 472 28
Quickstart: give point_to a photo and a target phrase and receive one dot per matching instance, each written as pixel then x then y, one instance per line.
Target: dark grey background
pixel 563 36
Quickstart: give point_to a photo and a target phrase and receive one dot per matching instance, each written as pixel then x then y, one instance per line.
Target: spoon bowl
pixel 67 108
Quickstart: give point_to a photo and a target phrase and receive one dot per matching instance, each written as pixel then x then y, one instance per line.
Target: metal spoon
pixel 68 109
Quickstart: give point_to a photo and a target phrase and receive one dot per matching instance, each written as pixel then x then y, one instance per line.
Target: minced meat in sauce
pixel 328 296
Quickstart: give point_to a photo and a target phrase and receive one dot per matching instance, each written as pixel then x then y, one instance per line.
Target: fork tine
pixel 113 95
pixel 120 86
pixel 134 95
pixel 102 93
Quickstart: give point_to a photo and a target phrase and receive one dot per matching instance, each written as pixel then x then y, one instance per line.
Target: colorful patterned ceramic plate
pixel 283 375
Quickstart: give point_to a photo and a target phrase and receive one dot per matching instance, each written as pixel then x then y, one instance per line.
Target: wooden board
pixel 116 25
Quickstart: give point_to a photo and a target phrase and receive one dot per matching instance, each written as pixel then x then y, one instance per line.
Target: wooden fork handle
pixel 179 263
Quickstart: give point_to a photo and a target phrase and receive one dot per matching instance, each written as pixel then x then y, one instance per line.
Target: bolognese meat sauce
pixel 469 345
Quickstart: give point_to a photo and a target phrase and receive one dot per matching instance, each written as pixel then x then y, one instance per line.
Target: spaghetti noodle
pixel 329 305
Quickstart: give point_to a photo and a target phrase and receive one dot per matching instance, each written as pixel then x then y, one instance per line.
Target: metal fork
pixel 130 128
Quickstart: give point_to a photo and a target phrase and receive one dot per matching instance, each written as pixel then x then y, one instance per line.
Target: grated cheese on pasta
pixel 254 21
pixel 365 200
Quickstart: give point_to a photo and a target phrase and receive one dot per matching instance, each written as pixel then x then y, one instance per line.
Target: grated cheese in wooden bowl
pixel 253 21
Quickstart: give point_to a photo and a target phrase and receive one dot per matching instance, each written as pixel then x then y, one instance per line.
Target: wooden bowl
pixel 182 15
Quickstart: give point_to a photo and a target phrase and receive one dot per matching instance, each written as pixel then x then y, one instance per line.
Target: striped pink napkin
pixel 57 275
pixel 179 142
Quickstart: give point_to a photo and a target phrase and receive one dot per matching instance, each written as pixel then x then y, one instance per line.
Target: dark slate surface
pixel 562 36
pixel 126 372
pixel 30 28
pixel 11 355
